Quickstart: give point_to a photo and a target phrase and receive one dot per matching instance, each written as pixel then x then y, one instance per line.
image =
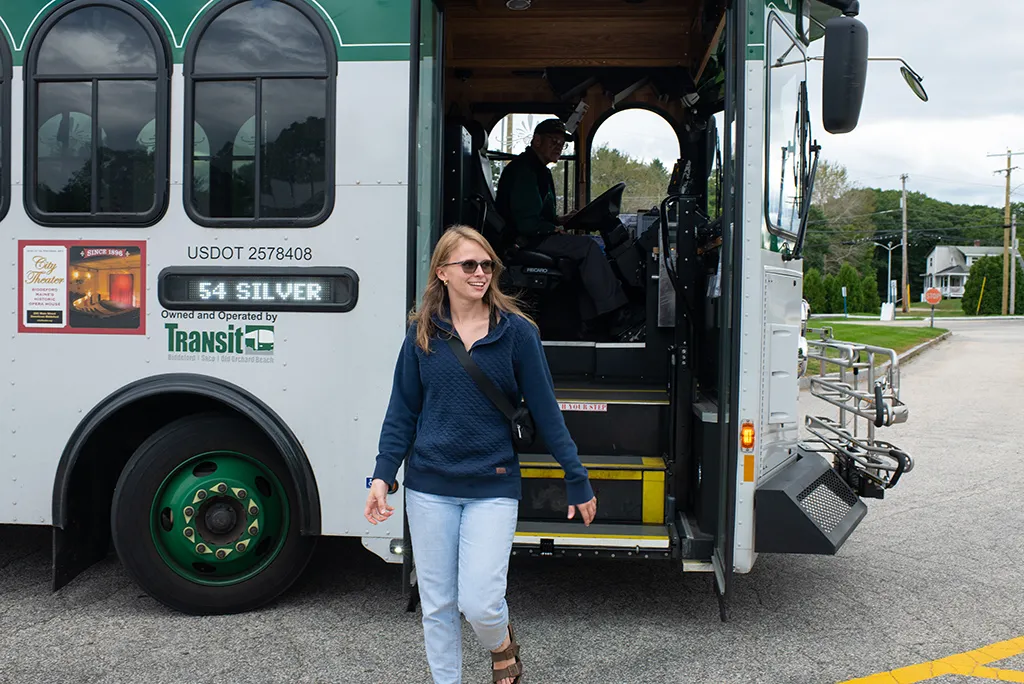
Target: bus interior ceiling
pixel 610 54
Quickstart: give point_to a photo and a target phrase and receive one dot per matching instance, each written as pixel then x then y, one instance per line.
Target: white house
pixel 949 266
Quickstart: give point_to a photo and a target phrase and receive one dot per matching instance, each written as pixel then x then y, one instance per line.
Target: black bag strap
pixel 485 385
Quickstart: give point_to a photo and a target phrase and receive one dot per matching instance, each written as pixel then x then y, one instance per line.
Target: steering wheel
pixel 595 214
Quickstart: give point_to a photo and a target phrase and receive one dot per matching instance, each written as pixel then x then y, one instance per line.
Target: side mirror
pixel 914 81
pixel 844 75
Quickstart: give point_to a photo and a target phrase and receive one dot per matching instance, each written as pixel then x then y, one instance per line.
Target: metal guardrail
pixel 866 391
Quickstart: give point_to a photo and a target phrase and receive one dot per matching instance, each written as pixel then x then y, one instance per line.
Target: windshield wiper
pixel 805 203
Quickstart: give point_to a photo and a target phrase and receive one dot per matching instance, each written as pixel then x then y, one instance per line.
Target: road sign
pixel 933 296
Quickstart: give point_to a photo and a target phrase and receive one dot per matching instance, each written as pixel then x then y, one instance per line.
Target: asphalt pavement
pixel 934 570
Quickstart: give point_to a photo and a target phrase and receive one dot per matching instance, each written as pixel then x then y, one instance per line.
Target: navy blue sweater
pixel 461 443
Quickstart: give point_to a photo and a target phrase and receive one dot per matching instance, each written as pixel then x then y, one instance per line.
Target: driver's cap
pixel 551 127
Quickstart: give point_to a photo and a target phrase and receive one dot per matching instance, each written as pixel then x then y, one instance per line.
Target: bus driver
pixel 526 200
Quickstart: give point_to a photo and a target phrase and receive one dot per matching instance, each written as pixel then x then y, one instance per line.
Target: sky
pixel 971 71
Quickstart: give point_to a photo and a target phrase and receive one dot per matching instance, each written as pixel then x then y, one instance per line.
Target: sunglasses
pixel 469 266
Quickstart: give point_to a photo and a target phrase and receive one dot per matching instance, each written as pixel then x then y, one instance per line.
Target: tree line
pixel 825 295
pixel 846 222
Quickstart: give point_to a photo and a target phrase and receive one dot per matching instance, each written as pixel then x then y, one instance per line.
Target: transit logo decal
pixel 233 344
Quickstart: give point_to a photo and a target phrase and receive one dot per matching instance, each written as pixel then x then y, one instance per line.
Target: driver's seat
pixel 525 268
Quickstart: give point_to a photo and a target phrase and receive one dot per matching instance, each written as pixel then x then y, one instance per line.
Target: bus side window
pixel 96 121
pixel 5 127
pixel 260 101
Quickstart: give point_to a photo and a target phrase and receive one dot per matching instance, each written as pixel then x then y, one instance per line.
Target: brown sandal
pixel 511 653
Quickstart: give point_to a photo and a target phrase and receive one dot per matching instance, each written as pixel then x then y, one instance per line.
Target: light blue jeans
pixel 461 549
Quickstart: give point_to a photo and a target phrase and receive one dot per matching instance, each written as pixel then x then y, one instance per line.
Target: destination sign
pixel 284 289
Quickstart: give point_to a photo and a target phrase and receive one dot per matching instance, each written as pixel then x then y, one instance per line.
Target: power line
pixel 959 182
pixel 835 230
pixel 923 233
pixel 843 218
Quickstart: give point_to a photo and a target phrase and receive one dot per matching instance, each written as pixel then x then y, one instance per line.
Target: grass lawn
pixel 948 304
pixel 947 307
pixel 898 338
pixel 894 337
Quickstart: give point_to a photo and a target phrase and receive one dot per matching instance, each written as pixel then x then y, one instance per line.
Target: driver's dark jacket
pixel 526 197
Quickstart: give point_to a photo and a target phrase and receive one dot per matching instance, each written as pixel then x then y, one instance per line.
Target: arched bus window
pixel 512 135
pixel 260 107
pixel 96 138
pixel 638 147
pixel 5 128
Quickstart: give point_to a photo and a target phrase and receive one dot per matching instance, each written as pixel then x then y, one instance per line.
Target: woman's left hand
pixel 587 510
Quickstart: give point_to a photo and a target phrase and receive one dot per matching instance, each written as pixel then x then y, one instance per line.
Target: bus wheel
pixel 204 517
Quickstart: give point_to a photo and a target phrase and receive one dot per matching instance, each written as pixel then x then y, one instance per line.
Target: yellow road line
pixel 969 664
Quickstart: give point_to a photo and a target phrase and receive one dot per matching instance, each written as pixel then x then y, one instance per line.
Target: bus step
pixel 805 508
pixel 629 489
pixel 606 361
pixel 614 420
pixel 571 539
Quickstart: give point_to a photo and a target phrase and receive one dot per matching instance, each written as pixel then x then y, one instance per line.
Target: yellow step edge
pixel 556 473
pixel 575 535
pixel 622 391
pixel 649 463
pixel 653 506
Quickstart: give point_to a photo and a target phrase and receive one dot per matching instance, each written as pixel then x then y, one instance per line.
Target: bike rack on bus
pixel 866 392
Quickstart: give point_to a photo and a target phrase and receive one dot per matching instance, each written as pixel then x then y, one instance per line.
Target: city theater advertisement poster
pixel 85 287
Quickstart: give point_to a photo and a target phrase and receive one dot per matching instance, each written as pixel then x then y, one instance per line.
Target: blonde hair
pixel 434 294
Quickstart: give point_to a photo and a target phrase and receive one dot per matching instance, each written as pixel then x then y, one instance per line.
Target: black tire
pixel 130 516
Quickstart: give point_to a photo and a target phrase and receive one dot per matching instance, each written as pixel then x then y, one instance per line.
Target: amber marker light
pixel 747 436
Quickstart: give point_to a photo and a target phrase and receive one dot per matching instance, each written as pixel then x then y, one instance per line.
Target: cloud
pixel 945 158
pixel 640 134
pixel 974 102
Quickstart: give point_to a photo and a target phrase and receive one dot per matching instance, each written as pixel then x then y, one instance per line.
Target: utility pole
pixel 1013 265
pixel 1006 226
pixel 906 288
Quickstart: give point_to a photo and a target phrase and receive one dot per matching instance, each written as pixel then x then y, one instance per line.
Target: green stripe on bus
pixel 362 31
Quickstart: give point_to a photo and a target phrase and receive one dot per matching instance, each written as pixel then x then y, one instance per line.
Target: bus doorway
pixel 646 424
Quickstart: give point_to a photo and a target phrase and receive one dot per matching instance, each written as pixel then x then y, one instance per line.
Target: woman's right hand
pixel 377 509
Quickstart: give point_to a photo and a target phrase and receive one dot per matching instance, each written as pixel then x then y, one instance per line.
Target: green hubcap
pixel 219 518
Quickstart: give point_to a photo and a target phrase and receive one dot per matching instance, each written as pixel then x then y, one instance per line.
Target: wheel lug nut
pixel 254 530
pixel 188 532
pixel 201 548
pixel 222 488
pixel 201 494
pixel 221 554
pixel 240 547
pixel 190 511
pixel 253 510
pixel 242 494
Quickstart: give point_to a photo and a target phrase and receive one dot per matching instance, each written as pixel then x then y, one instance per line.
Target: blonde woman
pixel 462 479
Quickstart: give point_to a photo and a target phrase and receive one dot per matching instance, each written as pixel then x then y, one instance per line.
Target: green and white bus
pixel 219 213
